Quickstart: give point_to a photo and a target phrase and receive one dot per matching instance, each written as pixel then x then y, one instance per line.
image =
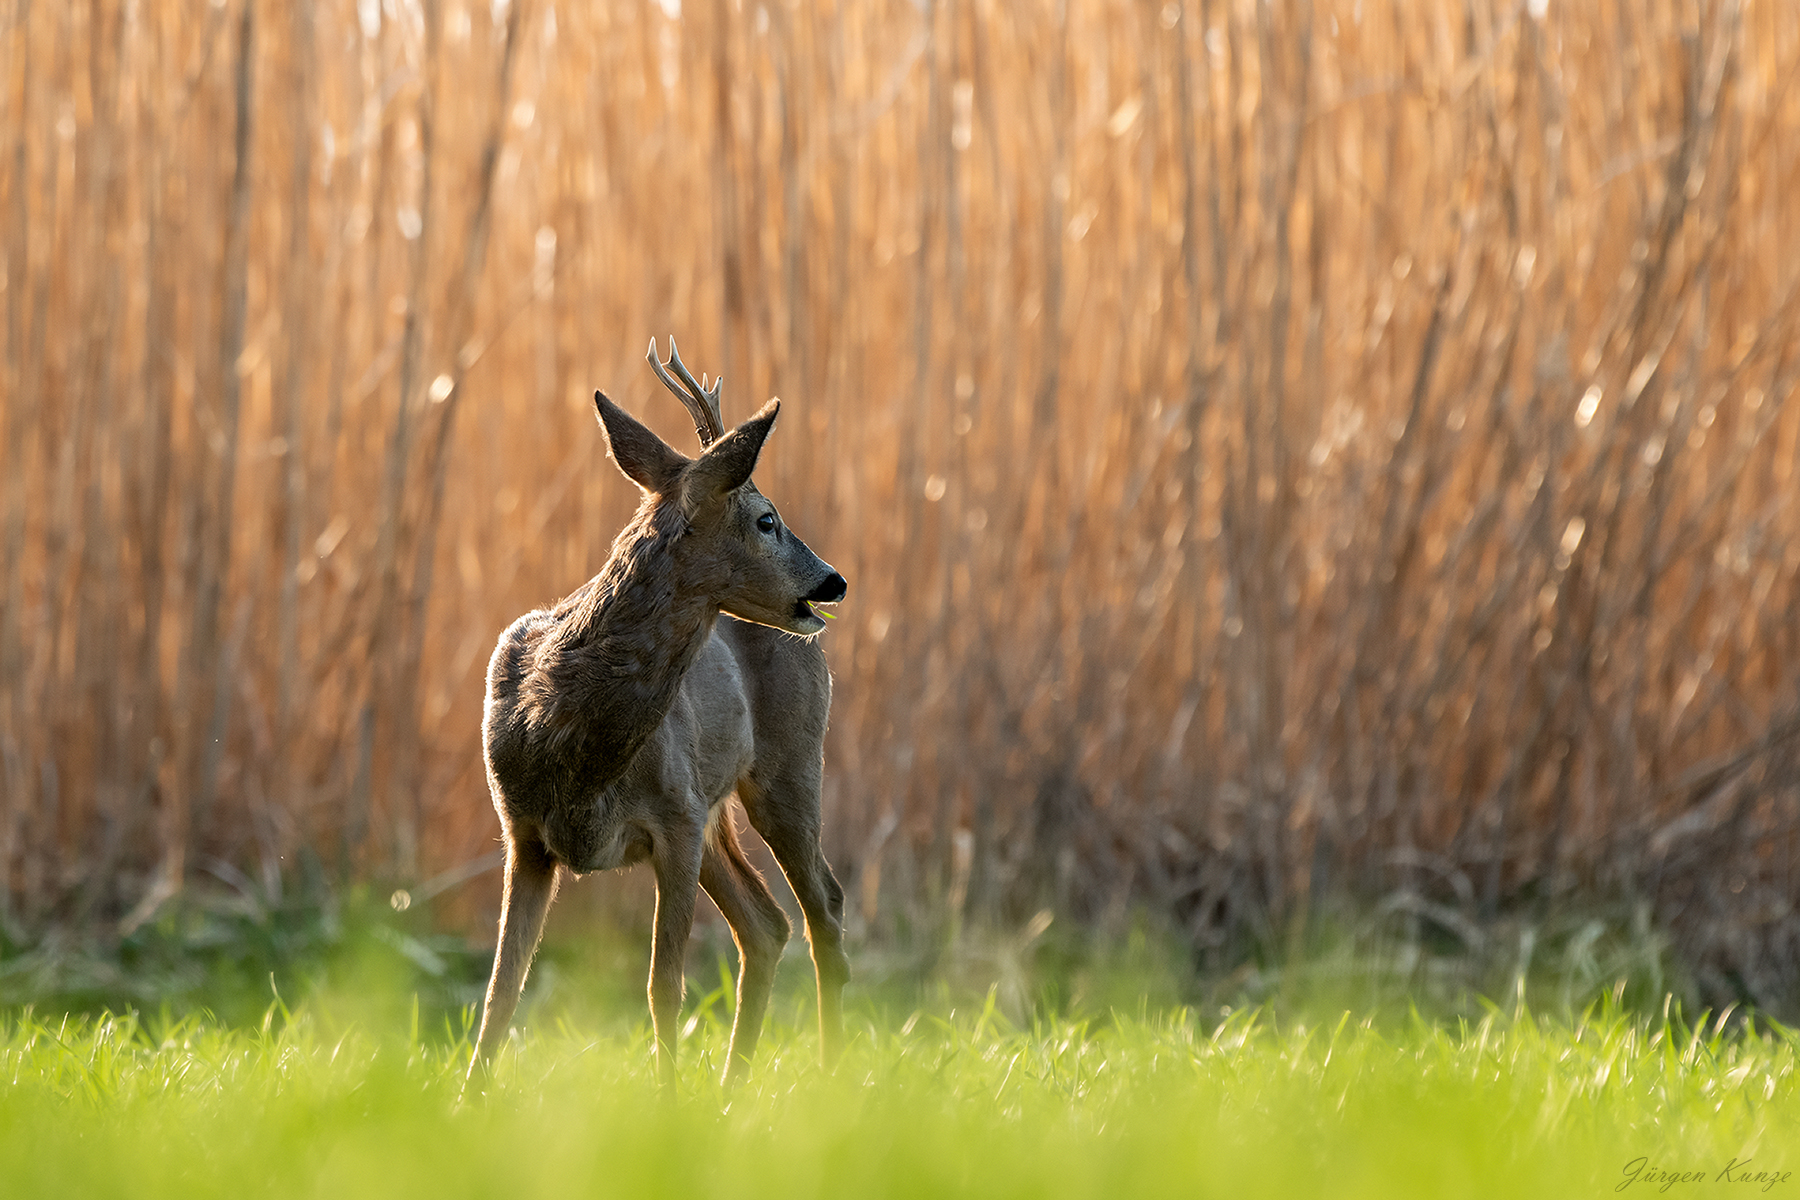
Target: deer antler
pixel 702 404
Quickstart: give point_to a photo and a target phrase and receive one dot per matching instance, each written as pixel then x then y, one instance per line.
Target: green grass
pixel 324 1102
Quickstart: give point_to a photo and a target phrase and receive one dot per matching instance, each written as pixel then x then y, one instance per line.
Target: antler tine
pixel 702 405
pixel 711 396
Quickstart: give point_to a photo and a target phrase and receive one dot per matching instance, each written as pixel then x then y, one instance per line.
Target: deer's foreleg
pixel 675 856
pixel 530 886
pixel 760 929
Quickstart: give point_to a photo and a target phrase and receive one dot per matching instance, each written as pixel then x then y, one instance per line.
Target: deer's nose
pixel 829 592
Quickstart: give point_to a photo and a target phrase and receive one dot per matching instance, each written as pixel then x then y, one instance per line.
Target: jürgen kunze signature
pixel 1642 1170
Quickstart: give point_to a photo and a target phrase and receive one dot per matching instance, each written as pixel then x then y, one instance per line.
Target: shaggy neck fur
pixel 605 675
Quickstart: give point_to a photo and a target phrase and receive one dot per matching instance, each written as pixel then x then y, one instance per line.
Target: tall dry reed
pixel 1283 453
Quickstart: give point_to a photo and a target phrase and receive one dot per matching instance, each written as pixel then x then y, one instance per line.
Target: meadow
pixel 957 1101
pixel 1315 483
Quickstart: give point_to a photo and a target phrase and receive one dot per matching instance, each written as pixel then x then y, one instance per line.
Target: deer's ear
pixel 646 459
pixel 728 462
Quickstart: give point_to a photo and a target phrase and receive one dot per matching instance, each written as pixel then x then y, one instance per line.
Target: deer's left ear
pixel 645 458
pixel 727 464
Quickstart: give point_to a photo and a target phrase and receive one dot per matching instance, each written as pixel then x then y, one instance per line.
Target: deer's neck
pixel 625 642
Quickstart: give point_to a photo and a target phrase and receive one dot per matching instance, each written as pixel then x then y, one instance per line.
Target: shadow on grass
pixel 377 960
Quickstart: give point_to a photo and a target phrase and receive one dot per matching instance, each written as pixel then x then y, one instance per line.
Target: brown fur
pixel 619 722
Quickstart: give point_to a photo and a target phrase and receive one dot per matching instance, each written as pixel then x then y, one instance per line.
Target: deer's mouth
pixel 802 619
pixel 830 591
pixel 805 619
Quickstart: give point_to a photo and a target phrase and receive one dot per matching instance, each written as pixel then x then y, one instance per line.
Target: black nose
pixel 829 592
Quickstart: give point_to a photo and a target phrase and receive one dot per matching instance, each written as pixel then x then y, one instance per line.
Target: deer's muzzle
pixel 831 591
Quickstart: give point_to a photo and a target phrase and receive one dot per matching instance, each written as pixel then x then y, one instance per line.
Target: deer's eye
pixel 766 522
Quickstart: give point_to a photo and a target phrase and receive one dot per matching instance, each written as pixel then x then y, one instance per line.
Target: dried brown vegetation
pixel 1281 452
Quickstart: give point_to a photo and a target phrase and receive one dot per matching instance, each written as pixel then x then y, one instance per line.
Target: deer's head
pixel 758 568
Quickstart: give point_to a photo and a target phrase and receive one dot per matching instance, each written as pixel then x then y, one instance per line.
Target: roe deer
pixel 619 722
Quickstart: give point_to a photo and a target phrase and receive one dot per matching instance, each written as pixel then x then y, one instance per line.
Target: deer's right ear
pixel 727 463
pixel 646 459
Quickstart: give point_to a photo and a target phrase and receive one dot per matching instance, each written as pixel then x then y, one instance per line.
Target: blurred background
pixel 1310 474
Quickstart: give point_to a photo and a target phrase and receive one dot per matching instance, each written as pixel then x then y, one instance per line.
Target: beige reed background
pixel 1289 458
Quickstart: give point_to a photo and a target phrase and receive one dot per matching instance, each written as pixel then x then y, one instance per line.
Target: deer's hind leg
pixel 785 812
pixel 758 926
pixel 530 886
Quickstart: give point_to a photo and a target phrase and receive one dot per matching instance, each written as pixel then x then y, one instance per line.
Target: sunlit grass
pixel 957 1104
